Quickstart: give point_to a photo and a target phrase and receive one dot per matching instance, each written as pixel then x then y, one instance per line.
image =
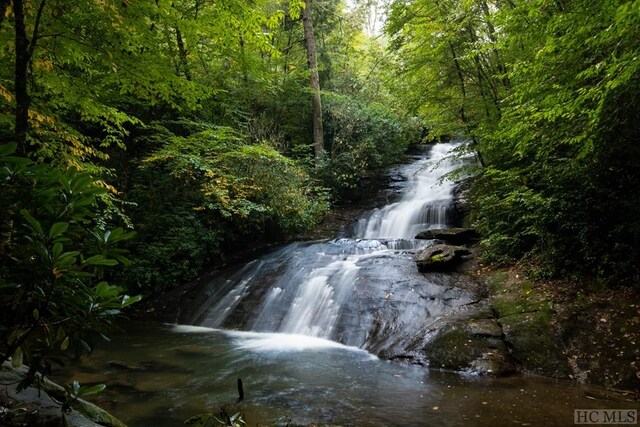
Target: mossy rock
pixel 534 342
pixel 457 348
pixel 440 257
pixel 527 320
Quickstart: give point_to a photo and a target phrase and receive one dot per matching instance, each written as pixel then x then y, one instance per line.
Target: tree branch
pixel 36 29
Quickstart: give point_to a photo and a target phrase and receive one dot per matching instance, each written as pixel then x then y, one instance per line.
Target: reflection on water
pixel 160 375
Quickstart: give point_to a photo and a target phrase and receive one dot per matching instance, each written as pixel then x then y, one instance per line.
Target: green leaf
pixel 127 300
pixel 66 259
pixel 86 346
pixel 8 149
pixel 82 182
pixel 65 344
pixel 86 391
pixel 58 228
pixel 35 225
pixel 16 359
pixel 57 249
pixel 100 260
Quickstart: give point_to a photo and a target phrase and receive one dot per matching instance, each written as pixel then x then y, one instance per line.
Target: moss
pixel 527 319
pixel 459 349
pixel 535 343
pixel 496 281
pixel 453 349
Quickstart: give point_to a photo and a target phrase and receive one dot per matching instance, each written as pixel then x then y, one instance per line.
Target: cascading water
pixel 279 312
pixel 327 289
pixel 425 204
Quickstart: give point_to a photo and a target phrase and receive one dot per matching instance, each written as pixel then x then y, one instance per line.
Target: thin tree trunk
pixel 24 52
pixel 463 89
pixel 492 36
pixel 307 24
pixel 182 51
pixel 21 69
pixel 484 76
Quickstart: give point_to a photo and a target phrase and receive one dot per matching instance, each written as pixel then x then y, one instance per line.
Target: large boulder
pixel 440 257
pixel 454 236
pixel 473 346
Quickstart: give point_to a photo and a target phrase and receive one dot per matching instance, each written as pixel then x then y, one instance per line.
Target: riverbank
pixel 573 330
pixel 570 330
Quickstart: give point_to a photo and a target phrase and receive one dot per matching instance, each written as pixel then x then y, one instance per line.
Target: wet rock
pixel 535 344
pixel 457 348
pixel 396 177
pixel 461 204
pixel 484 328
pixel 529 326
pixel 440 257
pixel 144 365
pixel 454 236
pixel 493 362
pixel 125 366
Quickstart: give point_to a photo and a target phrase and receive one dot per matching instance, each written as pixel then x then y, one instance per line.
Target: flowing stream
pixel 303 327
pixel 334 289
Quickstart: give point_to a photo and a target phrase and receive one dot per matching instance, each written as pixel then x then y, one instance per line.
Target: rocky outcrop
pixel 454 236
pixel 527 320
pixel 461 204
pixel 440 257
pixel 567 331
pixel 474 346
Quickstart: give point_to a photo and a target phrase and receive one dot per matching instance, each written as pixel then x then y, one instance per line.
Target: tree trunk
pixel 24 52
pixel 307 24
pixel 21 70
pixel 492 36
pixel 463 90
pixel 182 51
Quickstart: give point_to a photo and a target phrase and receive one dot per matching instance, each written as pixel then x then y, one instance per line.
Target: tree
pixel 314 79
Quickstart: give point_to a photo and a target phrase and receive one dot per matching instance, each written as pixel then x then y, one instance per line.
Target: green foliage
pixel 211 190
pixel 363 139
pixel 215 420
pixel 452 72
pixel 53 262
pixel 549 92
pixel 75 391
pixel 196 116
pixel 561 185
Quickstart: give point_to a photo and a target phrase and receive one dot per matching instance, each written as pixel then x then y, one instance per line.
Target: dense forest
pixel 142 141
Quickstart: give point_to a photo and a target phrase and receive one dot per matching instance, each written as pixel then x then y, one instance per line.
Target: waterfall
pixel 321 289
pixel 425 204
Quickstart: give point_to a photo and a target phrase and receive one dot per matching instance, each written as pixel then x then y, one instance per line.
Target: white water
pixel 309 285
pixel 426 203
pixel 264 342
